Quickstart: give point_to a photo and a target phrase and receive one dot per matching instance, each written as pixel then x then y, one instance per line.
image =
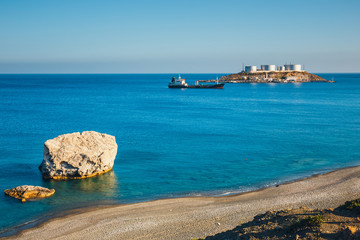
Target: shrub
pixel 308 222
pixel 352 205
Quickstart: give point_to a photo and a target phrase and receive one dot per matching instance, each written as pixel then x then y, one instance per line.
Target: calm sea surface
pixel 173 142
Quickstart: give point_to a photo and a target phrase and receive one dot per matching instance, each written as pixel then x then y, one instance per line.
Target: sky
pixel 168 36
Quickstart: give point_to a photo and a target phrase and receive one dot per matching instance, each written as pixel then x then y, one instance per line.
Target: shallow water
pixel 173 142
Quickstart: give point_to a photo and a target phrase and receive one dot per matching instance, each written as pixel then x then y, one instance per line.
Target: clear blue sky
pixel 160 36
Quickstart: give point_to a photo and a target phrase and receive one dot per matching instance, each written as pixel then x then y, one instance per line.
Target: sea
pixel 172 142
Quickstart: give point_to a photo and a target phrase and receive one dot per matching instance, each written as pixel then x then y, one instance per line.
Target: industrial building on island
pixel 273 68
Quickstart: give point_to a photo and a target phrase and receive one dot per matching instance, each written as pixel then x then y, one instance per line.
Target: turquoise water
pixel 173 142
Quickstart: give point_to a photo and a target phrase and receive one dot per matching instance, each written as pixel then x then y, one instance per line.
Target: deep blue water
pixel 173 142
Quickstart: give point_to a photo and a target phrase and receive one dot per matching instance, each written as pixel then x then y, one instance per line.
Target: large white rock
pixel 78 155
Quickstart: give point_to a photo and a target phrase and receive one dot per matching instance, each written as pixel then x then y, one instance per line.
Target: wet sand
pixel 196 217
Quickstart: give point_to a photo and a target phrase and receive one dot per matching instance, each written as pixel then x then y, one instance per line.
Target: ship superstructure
pixel 178 83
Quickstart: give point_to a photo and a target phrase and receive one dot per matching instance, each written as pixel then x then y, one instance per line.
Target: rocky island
pixel 271 74
pixel 275 77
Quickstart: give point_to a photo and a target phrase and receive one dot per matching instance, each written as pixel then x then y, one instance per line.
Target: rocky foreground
pixel 280 77
pixel 301 223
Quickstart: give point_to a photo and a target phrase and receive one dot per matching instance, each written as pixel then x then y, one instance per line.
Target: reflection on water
pixel 297 84
pixel 104 185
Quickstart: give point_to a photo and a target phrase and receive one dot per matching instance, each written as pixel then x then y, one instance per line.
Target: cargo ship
pixel 180 83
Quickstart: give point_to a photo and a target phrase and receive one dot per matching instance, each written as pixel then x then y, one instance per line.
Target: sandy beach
pixel 197 217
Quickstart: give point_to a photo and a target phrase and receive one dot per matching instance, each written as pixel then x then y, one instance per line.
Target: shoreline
pixel 193 217
pixel 17 229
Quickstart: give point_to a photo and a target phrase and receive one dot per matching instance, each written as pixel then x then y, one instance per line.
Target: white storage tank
pixel 268 67
pixel 250 69
pixel 281 68
pixel 296 67
pixel 293 67
pixel 271 68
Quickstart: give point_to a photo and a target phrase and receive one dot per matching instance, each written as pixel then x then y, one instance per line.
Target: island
pixel 289 73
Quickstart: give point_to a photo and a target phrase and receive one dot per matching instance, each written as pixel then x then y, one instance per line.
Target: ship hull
pixel 213 86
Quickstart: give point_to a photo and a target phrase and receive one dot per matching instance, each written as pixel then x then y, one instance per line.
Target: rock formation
pixel 78 155
pixel 29 192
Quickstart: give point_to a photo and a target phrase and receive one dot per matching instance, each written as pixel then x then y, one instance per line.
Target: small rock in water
pixel 29 192
pixel 78 155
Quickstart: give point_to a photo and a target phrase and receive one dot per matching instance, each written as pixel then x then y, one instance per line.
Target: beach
pixel 198 217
